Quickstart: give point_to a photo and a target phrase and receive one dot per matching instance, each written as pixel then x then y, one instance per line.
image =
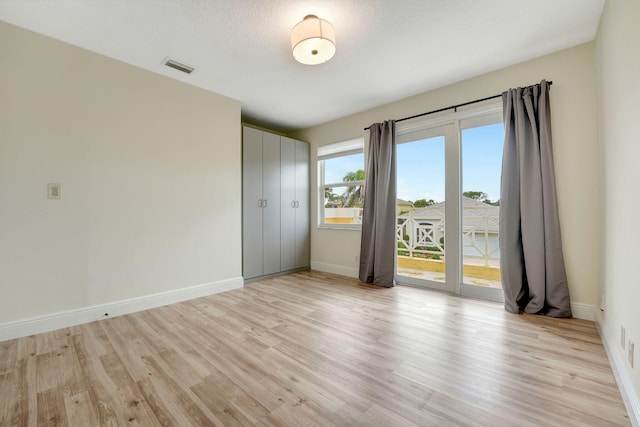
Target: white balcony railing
pixel 420 234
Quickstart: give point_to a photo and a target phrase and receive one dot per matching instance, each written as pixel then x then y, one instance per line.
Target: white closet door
pixel 288 205
pixel 302 205
pixel 251 203
pixel 271 209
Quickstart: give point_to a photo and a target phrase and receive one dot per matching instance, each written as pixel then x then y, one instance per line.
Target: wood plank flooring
pixel 313 349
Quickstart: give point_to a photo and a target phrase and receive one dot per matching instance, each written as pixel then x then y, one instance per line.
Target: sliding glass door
pixel 481 142
pixel 448 184
pixel 423 231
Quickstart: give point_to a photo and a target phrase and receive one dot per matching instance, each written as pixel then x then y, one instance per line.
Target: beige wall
pixel 150 173
pixel 618 71
pixel 573 100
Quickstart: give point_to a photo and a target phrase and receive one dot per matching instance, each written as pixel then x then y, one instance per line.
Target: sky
pixel 336 169
pixel 420 172
pixel 482 159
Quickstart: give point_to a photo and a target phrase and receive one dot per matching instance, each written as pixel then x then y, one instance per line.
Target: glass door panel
pixel 420 209
pixel 481 149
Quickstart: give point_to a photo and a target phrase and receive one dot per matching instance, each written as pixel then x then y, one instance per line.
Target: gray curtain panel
pixel 531 260
pixel 378 244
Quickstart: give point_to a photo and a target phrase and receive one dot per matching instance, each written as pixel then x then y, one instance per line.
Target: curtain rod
pixel 453 107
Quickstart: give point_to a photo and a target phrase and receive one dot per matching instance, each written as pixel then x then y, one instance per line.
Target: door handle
pixel 265 203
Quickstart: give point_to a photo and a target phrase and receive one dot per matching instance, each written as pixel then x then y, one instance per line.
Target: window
pixel 341 182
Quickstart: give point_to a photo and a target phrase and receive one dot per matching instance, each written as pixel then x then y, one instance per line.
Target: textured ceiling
pixel 386 50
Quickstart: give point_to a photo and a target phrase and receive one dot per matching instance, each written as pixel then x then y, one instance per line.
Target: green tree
pixel 354 176
pixel 476 195
pixel 330 196
pixel 423 203
pixel 481 197
pixel 353 196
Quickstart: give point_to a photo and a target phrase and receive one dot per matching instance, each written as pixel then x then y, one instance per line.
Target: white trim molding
pixel 622 378
pixel 335 269
pixel 583 311
pixel 65 319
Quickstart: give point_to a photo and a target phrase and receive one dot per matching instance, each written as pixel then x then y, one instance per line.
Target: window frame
pixel 332 151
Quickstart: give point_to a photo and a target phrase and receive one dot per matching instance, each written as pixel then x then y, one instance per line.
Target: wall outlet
pixel 631 350
pixel 623 337
pixel 356 258
pixel 54 190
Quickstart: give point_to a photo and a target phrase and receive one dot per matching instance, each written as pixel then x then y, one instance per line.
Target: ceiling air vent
pixel 178 66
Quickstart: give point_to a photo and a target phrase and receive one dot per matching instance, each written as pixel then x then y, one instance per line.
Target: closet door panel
pixel 251 196
pixel 302 212
pixel 288 203
pixel 271 210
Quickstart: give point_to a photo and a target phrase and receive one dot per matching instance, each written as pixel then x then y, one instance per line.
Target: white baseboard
pixel 625 385
pixel 335 269
pixel 65 319
pixel 583 311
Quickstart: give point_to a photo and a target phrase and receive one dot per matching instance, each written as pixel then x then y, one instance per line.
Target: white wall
pixel 618 76
pixel 150 171
pixel 573 107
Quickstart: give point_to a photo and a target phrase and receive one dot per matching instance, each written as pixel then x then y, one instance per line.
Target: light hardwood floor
pixel 314 349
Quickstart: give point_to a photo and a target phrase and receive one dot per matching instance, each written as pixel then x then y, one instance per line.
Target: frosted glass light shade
pixel 313 40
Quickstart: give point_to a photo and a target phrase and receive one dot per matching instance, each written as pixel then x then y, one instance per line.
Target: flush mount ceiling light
pixel 313 40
